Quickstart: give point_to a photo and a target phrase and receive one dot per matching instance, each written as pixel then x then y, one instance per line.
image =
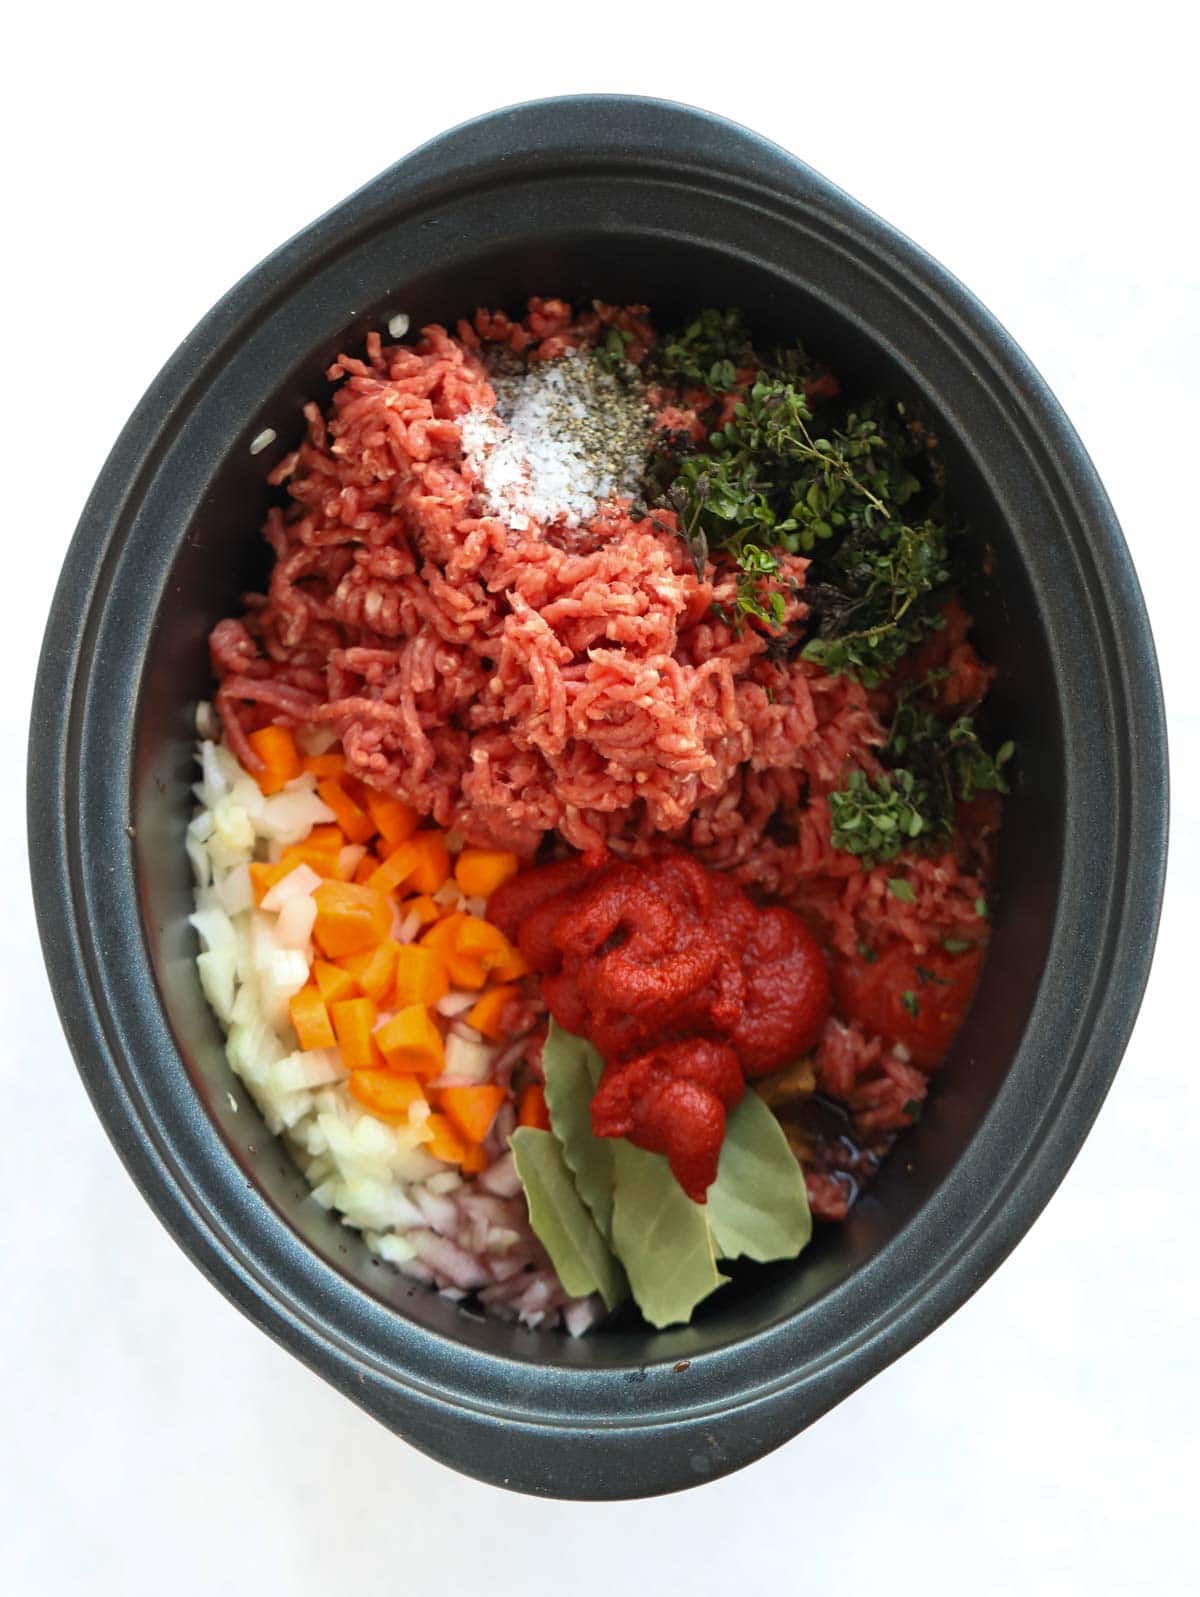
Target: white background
pixel 1044 1441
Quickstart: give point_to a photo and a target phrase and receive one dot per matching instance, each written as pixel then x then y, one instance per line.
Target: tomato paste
pixel 685 988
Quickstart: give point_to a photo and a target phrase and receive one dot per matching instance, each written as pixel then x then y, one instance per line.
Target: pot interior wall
pixel 219 555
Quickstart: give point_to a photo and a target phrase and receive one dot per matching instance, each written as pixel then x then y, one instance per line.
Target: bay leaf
pixel 757 1206
pixel 572 1069
pixel 580 1254
pixel 661 1237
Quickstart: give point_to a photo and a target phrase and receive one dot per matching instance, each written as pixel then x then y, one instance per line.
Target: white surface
pixel 1044 1441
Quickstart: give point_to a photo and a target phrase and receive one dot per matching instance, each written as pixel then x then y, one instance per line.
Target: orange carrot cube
pixel 310 1019
pixel 374 969
pixel 394 820
pixel 387 1095
pixel 276 748
pixel 353 1022
pixel 487 1014
pixel 421 976
pixel 433 861
pixel 445 1142
pixel 532 1109
pixel 353 820
pixel 480 871
pixel 350 918
pixel 333 983
pixel 411 1042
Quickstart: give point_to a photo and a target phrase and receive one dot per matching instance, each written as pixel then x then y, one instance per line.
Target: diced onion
pixel 300 882
pixel 296 921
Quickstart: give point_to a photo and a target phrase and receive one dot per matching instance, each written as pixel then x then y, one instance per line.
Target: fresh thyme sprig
pixel 770 480
pixel 933 764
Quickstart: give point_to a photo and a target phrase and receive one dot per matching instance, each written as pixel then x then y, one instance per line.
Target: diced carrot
pixel 332 981
pixel 276 748
pixel 421 976
pixel 323 765
pixel 423 907
pixel 510 966
pixel 471 1110
pixel 480 871
pixel 474 1160
pixel 487 1013
pixel 374 969
pixel 395 870
pixel 317 859
pixel 475 936
pixel 310 1019
pixel 433 861
pixel 364 870
pixel 350 918
pixel 411 1042
pixel 476 949
pixel 353 820
pixel 385 1094
pixel 394 820
pixel 445 1142
pixel 466 969
pixel 356 788
pixel 353 1021
pixel 442 933
pixel 329 838
pixel 531 1109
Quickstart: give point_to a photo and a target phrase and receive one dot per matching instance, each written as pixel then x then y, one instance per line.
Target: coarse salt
pixel 565 436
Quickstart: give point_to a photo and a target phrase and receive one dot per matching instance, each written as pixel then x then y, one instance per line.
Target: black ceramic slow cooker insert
pixel 622 199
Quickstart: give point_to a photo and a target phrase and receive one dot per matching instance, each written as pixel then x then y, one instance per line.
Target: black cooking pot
pixel 624 199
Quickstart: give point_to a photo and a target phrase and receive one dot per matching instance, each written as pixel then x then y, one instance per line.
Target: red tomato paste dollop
pixel 684 987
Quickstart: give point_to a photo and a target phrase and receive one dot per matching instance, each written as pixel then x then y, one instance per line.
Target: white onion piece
pixel 285 974
pixel 501 1177
pixel 289 817
pixel 315 739
pixel 455 1003
pixel 580 1314
pixel 296 921
pixel 469 1061
pixel 236 891
pixel 301 881
pixel 217 974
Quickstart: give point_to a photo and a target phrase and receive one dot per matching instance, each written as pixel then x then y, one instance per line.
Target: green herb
pixel 933 765
pixel 572 1070
pixel 955 945
pixel 662 1237
pixel 913 1110
pixel 976 770
pixel 706 354
pixel 581 1256
pixel 899 888
pixel 770 478
pixel 924 977
pixel 611 354
pixel 867 953
pixel 909 1000
pixel 875 818
pixel 758 1206
pixel 981 908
